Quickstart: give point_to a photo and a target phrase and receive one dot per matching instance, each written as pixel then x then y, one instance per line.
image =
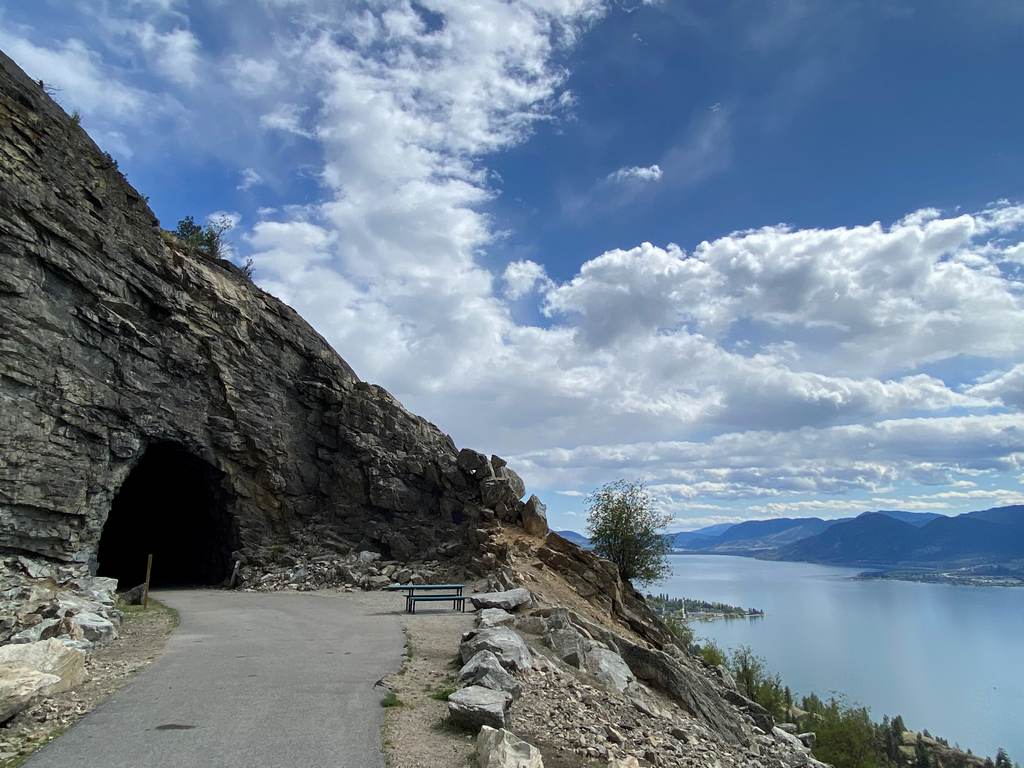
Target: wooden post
pixel 145 590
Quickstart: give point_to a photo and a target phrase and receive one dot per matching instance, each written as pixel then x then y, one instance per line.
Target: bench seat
pixel 457 601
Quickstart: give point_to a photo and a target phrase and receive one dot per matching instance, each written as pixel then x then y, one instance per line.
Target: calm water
pixel 949 659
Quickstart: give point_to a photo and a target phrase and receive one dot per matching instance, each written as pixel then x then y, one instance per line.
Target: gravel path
pixel 416 734
pixel 250 679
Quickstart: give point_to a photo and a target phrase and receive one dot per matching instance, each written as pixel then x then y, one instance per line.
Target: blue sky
pixel 767 257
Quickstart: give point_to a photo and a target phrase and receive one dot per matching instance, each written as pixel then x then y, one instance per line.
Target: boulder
pixel 787 738
pixel 134 595
pixel 94 627
pixel 569 646
pixel 533 625
pixel 485 670
pixel 42 630
pixel 808 739
pixel 476 706
pixel 535 517
pixel 608 667
pixel 368 557
pixel 504 643
pixel 624 762
pixel 474 464
pixel 494 617
pixel 51 657
pixel 513 480
pixel 508 600
pixel 19 686
pixel 497 748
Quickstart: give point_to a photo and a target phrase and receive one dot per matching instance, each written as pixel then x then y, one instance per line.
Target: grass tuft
pixel 391 700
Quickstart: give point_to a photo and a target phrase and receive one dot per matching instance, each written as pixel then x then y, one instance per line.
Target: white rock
pixel 19 686
pixel 508 600
pixel 485 670
pixel 608 667
pixel 624 762
pixel 494 617
pixel 51 657
pixel 94 627
pixel 503 642
pixel 497 748
pixel 476 706
pixel 368 557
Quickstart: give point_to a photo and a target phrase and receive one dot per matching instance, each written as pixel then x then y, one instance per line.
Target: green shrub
pixel 391 700
pixel 624 527
pixel 712 654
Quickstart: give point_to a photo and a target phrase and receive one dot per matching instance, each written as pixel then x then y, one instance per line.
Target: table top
pixel 395 587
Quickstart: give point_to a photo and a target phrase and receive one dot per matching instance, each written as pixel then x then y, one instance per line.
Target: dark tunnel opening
pixel 172 505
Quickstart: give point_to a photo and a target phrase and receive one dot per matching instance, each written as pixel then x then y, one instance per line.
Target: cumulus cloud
pixel 635 173
pixel 1006 388
pixel 524 277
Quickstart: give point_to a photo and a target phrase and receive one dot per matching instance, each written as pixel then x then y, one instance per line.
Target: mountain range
pixel 886 538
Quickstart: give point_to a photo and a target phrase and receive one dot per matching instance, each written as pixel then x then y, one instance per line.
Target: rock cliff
pixel 116 344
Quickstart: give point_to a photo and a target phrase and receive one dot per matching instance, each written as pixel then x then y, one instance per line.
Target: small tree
pixel 207 241
pixel 625 528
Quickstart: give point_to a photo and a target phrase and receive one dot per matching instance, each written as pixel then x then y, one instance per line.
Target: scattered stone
pixel 476 706
pixel 497 748
pixel 485 670
pixel 51 657
pixel 504 643
pixel 508 600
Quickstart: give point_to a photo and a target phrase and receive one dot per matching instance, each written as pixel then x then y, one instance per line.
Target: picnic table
pixel 452 592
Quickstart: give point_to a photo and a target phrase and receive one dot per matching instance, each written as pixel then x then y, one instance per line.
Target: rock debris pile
pixel 547 674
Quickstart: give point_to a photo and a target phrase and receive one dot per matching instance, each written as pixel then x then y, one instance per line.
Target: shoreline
pixel 1000 576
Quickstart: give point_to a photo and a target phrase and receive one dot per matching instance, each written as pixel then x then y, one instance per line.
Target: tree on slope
pixel 624 527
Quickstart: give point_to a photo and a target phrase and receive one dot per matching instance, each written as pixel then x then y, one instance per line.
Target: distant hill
pixel 576 538
pixel 886 538
pixel 880 539
pixel 767 537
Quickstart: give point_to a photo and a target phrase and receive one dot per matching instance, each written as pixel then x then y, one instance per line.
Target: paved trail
pixel 250 679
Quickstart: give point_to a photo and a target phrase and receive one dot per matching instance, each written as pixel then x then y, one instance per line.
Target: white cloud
pixel 77 75
pixel 287 118
pixel 254 77
pixel 175 53
pixel 250 178
pixel 635 173
pixel 523 277
pixel 1007 388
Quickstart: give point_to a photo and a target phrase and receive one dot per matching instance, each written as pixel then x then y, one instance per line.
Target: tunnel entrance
pixel 174 506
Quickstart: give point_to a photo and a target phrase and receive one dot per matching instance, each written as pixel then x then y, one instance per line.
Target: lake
pixel 950 659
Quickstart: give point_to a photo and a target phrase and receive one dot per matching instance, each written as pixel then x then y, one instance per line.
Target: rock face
pixel 118 345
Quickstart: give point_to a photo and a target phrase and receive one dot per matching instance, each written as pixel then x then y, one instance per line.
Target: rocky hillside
pixel 115 342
